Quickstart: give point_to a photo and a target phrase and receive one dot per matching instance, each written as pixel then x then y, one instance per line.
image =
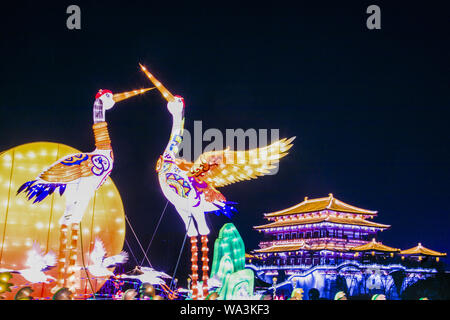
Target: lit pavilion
pixel 321 242
pixel 316 231
pixel 419 252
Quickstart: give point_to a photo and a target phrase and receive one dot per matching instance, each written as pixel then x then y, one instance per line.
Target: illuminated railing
pixel 300 241
pixel 307 269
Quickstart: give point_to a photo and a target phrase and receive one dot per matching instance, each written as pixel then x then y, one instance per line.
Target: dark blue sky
pixel 369 108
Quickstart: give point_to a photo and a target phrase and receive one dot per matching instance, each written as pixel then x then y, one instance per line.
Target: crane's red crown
pixel 102 92
pixel 181 98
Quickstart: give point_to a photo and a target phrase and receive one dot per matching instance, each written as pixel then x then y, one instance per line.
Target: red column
pixel 194 267
pixel 205 267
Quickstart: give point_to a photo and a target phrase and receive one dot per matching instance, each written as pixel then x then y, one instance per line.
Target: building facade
pixel 330 245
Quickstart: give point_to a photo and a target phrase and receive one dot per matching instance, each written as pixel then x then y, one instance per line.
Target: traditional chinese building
pixel 330 245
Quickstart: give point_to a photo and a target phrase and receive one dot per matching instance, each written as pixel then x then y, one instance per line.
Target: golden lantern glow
pixel 246 164
pixel 22 222
pixel 125 95
pixel 166 93
pixel 24 294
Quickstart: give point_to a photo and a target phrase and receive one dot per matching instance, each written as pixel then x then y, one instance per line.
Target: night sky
pixel 369 108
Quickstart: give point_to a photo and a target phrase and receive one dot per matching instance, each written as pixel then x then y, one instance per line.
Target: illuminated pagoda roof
pixel 375 246
pixel 421 250
pixel 250 256
pixel 319 204
pixel 322 219
pixel 303 246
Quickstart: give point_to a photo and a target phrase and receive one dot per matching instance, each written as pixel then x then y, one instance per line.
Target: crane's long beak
pixel 125 95
pixel 166 93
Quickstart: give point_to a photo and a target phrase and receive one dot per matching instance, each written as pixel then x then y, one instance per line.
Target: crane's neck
pixel 98 111
pixel 176 135
pixel 100 127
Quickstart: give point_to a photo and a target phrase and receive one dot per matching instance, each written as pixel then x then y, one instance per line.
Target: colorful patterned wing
pixel 224 167
pixel 68 169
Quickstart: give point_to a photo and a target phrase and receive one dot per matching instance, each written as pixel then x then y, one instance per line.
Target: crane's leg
pixel 205 267
pixel 73 248
pixel 188 220
pixel 63 240
pixel 203 229
pixel 72 259
pixel 61 265
pixel 194 267
pixel 199 217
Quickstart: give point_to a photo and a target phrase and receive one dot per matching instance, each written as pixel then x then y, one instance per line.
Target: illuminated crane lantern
pixel 77 177
pixel 191 187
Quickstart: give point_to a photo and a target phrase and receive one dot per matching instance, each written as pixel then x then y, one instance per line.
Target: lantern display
pixel 23 224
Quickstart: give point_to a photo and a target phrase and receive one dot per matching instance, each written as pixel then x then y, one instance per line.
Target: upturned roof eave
pixel 378 225
pixel 420 250
pixel 329 203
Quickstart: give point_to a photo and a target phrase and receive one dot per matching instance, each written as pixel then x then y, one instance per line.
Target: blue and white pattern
pixel 101 164
pixel 40 191
pixel 75 160
pixel 227 209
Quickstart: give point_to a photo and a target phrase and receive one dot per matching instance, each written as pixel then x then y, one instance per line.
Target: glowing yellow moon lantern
pixel 22 222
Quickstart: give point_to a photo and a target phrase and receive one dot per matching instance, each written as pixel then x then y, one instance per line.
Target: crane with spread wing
pixel 192 187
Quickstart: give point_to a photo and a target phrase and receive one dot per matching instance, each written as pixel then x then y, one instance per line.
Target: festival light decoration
pixel 130 294
pixel 22 223
pixel 147 275
pixel 77 176
pixel 378 297
pixel 419 251
pixel 24 294
pixel 228 268
pixel 212 296
pixel 5 285
pixel 101 263
pixel 297 294
pixel 63 294
pixel 117 97
pixel 373 247
pixel 340 295
pixel 166 93
pixel 35 265
pixel 191 187
pixel 147 290
pixel 274 285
